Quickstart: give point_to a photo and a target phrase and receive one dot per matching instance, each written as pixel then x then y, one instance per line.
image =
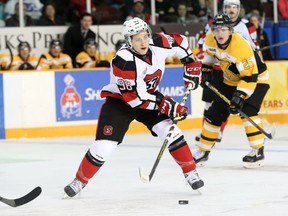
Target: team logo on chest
pixel 152 80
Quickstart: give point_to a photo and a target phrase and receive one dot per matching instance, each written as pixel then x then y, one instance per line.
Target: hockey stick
pixel 145 178
pixel 39 60
pixel 268 135
pixel 24 199
pixel 11 54
pixel 274 45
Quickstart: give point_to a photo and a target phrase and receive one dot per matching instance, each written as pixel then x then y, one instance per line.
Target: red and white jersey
pixel 133 77
pixel 242 26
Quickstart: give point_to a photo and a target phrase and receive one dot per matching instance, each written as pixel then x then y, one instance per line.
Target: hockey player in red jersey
pixel 241 26
pixel 132 94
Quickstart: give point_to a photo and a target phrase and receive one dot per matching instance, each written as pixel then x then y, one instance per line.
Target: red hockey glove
pixel 192 74
pixel 172 109
pixel 237 102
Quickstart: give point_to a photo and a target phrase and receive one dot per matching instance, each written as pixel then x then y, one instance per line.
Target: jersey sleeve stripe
pixel 160 40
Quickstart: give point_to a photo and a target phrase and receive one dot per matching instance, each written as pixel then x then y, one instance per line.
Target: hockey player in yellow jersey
pixel 55 58
pixel 24 60
pixel 5 60
pixel 89 58
pixel 245 83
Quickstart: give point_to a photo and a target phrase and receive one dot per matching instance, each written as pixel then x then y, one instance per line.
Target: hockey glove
pixel 237 102
pixel 169 107
pixel 192 74
pixel 206 75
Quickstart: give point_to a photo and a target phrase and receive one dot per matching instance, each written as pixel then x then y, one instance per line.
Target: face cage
pixel 129 40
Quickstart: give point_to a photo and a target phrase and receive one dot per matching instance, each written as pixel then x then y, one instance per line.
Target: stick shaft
pixel 210 86
pixel 163 147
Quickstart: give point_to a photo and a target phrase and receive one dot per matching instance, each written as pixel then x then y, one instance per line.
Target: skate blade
pixel 199 191
pixel 254 165
pixel 201 164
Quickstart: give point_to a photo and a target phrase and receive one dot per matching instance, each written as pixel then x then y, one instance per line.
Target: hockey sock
pixel 88 167
pixel 223 125
pixel 208 137
pixel 184 158
pixel 255 137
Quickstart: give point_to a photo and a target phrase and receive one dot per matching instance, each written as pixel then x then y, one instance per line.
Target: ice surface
pixel 117 189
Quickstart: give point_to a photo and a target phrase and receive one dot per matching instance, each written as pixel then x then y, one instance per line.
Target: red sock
pixel 223 125
pixel 184 158
pixel 86 170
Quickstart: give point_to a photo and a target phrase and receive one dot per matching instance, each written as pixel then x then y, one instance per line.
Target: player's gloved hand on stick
pixel 237 102
pixel 192 74
pixel 171 108
pixel 206 75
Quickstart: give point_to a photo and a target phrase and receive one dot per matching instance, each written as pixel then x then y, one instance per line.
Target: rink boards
pixel 67 102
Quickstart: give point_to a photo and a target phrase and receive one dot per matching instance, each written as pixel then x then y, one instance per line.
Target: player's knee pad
pixel 216 117
pixel 101 150
pixel 162 130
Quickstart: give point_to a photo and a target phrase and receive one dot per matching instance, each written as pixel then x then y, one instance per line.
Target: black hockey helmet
pixel 23 45
pixel 55 43
pixel 222 20
pixel 89 42
pixel 119 44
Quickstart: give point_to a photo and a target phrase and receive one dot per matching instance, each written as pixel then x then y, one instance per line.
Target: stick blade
pixel 144 178
pixel 23 200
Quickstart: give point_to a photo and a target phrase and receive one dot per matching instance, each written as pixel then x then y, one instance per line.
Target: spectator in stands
pixel 262 37
pixel 183 17
pixel 76 8
pixel 139 11
pixel 55 58
pixel 204 11
pixel 89 58
pixel 24 60
pixel 33 8
pixel 2 5
pixel 252 5
pixel 14 19
pixel 49 16
pixel 283 8
pixel 76 35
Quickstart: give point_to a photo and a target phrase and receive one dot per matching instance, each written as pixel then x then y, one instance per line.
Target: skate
pixel 197 138
pixel 200 157
pixel 254 159
pixel 74 188
pixel 193 179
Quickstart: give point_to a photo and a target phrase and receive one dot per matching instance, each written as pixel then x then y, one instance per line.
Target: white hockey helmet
pixel 232 2
pixel 134 26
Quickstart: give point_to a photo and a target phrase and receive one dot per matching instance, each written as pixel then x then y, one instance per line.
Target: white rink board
pixel 29 99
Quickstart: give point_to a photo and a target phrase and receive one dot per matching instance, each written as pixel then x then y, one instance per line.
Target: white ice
pixel 117 189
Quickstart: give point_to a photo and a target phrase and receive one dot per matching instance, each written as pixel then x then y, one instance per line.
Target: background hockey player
pixel 241 26
pixel 90 58
pixel 245 84
pixel 24 60
pixel 133 94
pixel 55 58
